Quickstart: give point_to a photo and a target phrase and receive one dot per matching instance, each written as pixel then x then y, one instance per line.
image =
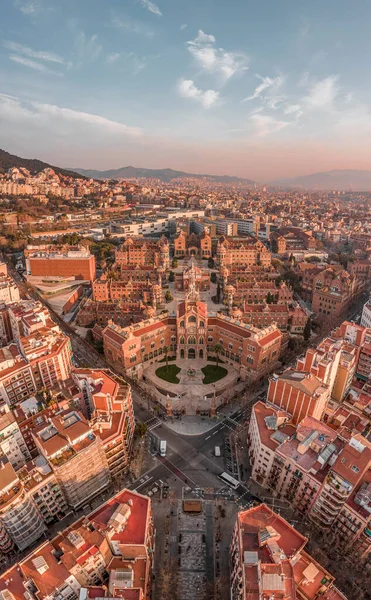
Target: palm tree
pixel 217 348
pixel 166 352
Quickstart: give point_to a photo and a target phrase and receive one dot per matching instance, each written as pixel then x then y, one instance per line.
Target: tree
pixel 174 264
pixel 307 330
pixel 213 278
pixel 218 293
pixel 166 353
pixel 168 296
pixel 274 246
pixel 171 276
pixel 217 348
pixel 210 263
pixel 140 429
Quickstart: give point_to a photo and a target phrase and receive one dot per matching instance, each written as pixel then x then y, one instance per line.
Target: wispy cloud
pixel 188 89
pixel 39 55
pixel 56 119
pixel 32 64
pixel 87 48
pixel 113 57
pixel 216 60
pixel 27 8
pixel 266 125
pixel 128 24
pixel 266 83
pixel 294 109
pixel 323 93
pixel 151 6
pixel 182 27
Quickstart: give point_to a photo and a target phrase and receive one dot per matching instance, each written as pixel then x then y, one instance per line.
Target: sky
pixel 262 90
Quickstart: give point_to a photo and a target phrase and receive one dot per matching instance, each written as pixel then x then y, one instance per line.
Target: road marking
pixel 140 485
pixel 208 437
pixel 214 433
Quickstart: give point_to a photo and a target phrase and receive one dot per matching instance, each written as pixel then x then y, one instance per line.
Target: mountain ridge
pixel 165 175
pixel 34 165
pixel 336 179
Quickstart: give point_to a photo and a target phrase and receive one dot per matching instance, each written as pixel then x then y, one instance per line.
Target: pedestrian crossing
pixel 152 422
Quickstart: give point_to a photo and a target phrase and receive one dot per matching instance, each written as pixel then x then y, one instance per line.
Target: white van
pixel 217 451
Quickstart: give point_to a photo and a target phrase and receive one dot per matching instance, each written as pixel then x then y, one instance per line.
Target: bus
pixel 229 480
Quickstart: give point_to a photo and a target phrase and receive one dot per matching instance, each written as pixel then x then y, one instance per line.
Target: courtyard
pixel 190 385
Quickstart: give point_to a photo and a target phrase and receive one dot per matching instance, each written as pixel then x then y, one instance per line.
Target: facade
pixel 366 315
pixel 107 554
pixel 9 291
pixel 12 443
pixel 111 414
pixel 141 252
pixel 76 455
pixel 60 261
pixel 242 252
pixel 193 245
pixel 268 560
pixel 20 520
pixel 192 334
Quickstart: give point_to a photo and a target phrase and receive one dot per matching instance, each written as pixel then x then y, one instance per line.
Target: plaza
pixel 190 394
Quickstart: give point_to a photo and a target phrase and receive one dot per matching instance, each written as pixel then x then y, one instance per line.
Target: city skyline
pixel 261 92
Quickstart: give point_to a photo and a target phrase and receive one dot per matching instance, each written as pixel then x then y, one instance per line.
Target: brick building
pixel 242 252
pixel 144 253
pixel 193 244
pixel 193 333
pixel 60 261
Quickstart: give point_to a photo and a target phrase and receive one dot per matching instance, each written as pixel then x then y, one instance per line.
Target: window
pixel 181 323
pixel 202 324
pixel 181 341
pixel 192 319
pixel 210 338
pixel 191 339
pixel 250 360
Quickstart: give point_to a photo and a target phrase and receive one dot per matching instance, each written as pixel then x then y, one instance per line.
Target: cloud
pixel 187 89
pixel 112 58
pixel 87 48
pixel 128 24
pixel 57 120
pixel 323 93
pixel 293 109
pixel 40 55
pixel 27 8
pixel 216 60
pixel 266 83
pixel 32 64
pixel 182 27
pixel 151 6
pixel 265 124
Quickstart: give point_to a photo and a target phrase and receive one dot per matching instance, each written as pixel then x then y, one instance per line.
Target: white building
pixel 366 315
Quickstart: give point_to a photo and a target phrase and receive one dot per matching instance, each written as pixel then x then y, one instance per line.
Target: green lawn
pixel 213 373
pixel 168 373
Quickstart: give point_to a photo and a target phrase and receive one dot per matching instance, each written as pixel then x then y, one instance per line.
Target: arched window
pixel 201 340
pixel 181 341
pixel 191 339
pixel 181 323
pixel 192 319
pixel 202 324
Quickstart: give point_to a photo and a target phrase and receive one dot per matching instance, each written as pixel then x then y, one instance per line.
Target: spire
pixel 192 294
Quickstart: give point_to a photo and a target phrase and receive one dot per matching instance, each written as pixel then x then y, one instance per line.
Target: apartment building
pixel 111 414
pixel 269 561
pixel 76 455
pixel 20 520
pixel 366 315
pixel 12 443
pixel 299 394
pixel 322 471
pixel 107 554
pixel 60 261
pixel 9 291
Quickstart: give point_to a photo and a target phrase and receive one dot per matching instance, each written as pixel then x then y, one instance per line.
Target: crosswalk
pixel 152 422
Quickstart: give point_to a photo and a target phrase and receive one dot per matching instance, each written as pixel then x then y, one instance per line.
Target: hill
pixel 161 174
pixel 7 161
pixel 339 179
